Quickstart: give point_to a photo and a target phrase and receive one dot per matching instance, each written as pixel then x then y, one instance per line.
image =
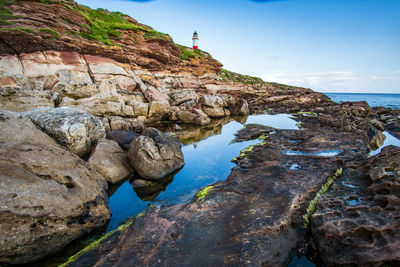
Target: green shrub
pixel 55 34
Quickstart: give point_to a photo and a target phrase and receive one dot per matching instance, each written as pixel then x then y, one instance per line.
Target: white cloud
pixel 339 81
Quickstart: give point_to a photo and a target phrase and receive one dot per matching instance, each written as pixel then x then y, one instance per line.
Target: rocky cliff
pixel 80 66
pixel 62 25
pixel 59 53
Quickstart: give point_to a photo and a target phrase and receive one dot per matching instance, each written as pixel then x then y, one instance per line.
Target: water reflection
pixel 327 153
pixel 208 152
pixel 149 190
pixel 389 140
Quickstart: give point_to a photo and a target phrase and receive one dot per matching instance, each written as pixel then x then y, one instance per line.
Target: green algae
pixel 97 242
pixel 313 203
pixel 243 153
pixel 202 193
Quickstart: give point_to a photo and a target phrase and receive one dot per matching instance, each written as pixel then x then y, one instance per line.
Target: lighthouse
pixel 195 40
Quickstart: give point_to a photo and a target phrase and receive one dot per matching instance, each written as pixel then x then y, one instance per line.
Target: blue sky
pixel 326 45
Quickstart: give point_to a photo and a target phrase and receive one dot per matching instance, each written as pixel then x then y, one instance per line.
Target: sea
pixel 374 100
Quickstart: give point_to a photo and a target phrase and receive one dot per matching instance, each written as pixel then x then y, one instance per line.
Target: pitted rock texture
pixel 357 223
pixel 48 196
pixel 74 129
pixel 155 154
pixel 252 218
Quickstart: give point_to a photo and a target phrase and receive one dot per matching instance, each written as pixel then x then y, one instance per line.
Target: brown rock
pixel 214 112
pixel 108 159
pixel 241 108
pixel 159 110
pixel 198 118
pixel 49 196
pixel 155 155
pixel 357 221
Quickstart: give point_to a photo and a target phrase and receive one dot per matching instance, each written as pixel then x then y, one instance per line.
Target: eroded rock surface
pixel 74 129
pixel 48 196
pixel 254 217
pixel 357 222
pixel 155 154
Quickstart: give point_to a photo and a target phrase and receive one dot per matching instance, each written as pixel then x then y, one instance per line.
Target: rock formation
pixel 110 161
pixel 49 197
pixel 155 154
pixel 357 222
pixel 74 129
pixel 76 82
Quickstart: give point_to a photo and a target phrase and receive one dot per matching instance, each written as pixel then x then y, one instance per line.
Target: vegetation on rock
pixel 227 75
pixel 313 203
pixel 55 34
pixel 5 12
pixel 97 242
pixel 202 193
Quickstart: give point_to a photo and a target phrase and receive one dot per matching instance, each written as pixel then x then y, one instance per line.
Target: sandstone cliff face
pixel 58 53
pixel 59 25
pixel 105 87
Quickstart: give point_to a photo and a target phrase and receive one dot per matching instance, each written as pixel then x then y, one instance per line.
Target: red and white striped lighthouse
pixel 195 40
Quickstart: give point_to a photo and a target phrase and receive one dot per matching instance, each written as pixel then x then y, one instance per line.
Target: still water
pixel 389 140
pixel 208 152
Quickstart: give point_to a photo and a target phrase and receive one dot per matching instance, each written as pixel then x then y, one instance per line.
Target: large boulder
pixel 48 196
pixel 216 112
pixel 212 101
pixel 155 154
pixel 159 110
pixel 194 116
pixel 110 161
pixel 74 129
pixel 241 108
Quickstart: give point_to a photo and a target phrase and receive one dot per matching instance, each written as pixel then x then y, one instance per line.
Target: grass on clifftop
pixel 236 77
pixel 103 25
pixel 5 13
pixel 188 53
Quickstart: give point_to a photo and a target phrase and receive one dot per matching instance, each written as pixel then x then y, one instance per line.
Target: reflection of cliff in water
pixel 191 134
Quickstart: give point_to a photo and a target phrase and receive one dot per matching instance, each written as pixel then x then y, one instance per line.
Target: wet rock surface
pixel 357 222
pixel 256 216
pixel 48 196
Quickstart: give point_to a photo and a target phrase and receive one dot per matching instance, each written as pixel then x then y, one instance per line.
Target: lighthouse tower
pixel 195 40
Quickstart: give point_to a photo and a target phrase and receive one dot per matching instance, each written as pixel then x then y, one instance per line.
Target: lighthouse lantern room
pixel 195 40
